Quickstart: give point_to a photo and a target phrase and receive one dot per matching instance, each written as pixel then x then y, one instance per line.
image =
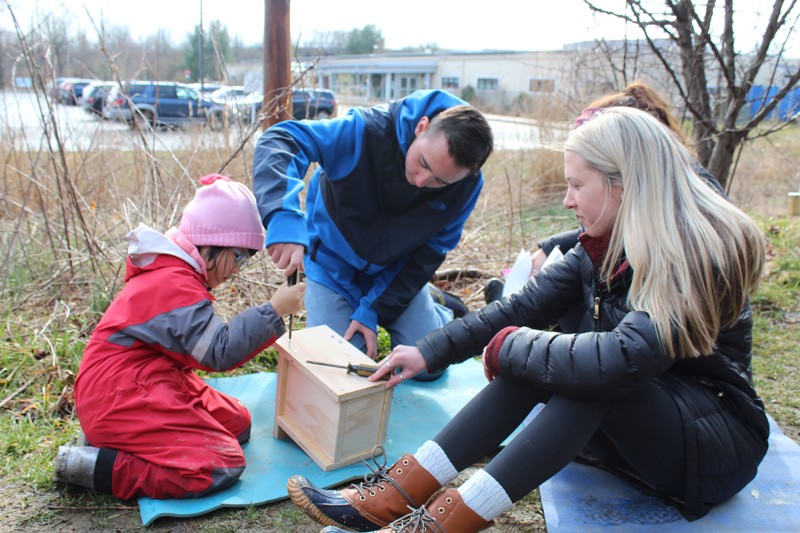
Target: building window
pixel 408 84
pixel 488 84
pixel 542 86
pixel 449 82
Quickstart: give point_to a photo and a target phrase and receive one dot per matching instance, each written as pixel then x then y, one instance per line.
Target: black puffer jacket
pixel 617 352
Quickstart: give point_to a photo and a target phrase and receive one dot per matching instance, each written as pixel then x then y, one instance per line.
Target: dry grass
pixel 767 171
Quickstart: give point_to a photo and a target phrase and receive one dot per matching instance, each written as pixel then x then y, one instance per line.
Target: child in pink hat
pixel 155 427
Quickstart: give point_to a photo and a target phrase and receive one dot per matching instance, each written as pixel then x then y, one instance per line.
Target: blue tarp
pixel 583 499
pixel 759 96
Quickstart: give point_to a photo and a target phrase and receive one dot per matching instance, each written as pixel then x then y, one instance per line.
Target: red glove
pixel 492 352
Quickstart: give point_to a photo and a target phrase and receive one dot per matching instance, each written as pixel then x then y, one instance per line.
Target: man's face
pixel 428 161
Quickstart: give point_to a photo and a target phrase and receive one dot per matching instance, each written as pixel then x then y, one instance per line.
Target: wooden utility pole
pixel 277 62
pixel 200 51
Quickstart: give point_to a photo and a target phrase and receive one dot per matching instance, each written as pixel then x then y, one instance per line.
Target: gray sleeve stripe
pixel 206 340
pixel 175 330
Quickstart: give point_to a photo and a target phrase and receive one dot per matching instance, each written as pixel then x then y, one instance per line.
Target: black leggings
pixel 643 431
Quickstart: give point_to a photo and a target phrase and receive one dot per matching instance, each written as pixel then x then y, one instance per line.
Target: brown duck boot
pixel 449 513
pixel 383 496
pixel 445 512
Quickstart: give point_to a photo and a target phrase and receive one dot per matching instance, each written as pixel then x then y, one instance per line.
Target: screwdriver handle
pixel 291 280
pixel 363 370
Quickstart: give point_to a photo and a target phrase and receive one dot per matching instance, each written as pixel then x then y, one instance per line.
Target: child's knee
pixel 244 422
pixel 244 436
pixel 222 478
pixel 238 423
pixel 228 468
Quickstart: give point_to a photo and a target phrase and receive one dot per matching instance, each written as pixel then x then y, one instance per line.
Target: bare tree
pixel 707 52
pixel 328 42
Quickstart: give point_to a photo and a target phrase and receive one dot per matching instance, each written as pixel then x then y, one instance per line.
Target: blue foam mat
pixel 419 410
pixel 584 499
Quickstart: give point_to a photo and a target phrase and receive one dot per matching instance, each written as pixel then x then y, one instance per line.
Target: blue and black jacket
pixel 369 235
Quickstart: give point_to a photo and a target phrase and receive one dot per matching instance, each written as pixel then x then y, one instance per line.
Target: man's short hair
pixel 469 137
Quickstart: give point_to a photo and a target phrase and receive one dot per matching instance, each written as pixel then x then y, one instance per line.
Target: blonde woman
pixel 657 385
pixel 637 95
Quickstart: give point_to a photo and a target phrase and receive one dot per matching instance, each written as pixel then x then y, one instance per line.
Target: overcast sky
pixel 451 24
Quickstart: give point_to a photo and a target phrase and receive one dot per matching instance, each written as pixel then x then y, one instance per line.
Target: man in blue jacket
pixel 393 187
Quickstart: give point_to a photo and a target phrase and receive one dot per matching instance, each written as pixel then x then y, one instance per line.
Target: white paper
pixel 554 256
pixel 521 270
pixel 519 274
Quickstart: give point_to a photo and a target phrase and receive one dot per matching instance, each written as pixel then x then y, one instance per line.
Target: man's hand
pixel 408 358
pixel 370 337
pixel 288 256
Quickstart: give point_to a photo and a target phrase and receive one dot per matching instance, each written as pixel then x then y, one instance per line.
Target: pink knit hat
pixel 223 213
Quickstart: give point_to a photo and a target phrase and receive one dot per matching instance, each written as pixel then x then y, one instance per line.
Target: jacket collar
pixel 597 248
pixel 145 244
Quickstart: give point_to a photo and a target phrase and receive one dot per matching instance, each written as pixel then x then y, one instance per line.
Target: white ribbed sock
pixel 484 495
pixel 433 459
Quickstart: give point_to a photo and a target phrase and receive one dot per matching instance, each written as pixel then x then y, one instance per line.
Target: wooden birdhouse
pixel 334 416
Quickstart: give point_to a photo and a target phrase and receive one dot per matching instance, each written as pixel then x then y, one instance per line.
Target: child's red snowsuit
pixel 136 390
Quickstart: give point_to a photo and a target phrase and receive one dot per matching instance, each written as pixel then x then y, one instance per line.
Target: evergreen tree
pixel 367 40
pixel 216 52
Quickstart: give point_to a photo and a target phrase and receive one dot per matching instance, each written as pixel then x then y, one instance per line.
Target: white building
pixel 503 81
pixel 507 80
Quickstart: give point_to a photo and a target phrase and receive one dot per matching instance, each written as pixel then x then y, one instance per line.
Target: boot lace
pixel 378 475
pixel 417 521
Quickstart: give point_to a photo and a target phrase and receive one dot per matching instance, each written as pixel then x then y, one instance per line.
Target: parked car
pixel 161 104
pixel 249 106
pixel 56 86
pixel 71 89
pixel 306 103
pixel 229 95
pixel 94 96
pixel 206 88
pixel 234 99
pixel 313 103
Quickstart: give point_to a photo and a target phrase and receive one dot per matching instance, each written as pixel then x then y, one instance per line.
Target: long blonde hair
pixel 695 257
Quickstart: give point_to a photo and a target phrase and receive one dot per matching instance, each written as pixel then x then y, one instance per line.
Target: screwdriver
pixel 359 370
pixel 292 280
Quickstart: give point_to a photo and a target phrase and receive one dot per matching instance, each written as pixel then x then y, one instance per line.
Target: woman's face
pixel 594 201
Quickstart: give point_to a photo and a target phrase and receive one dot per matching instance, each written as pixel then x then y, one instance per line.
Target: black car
pixel 313 103
pixel 306 103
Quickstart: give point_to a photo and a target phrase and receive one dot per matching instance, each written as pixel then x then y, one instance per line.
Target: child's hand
pixel 288 300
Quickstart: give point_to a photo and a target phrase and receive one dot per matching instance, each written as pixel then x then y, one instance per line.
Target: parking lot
pixel 21 126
